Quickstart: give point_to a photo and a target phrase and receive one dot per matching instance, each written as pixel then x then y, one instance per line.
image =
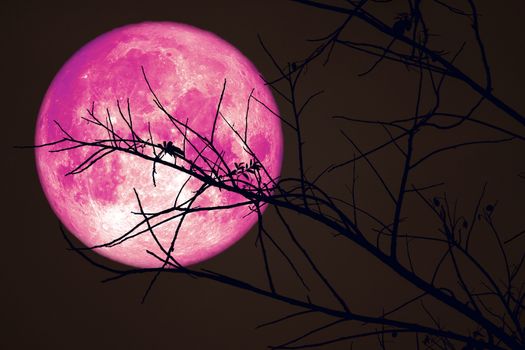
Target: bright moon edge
pixel 186 67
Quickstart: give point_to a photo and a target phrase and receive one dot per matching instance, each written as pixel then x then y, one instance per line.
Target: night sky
pixel 53 299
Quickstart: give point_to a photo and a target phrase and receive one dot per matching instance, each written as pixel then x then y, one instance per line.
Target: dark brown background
pixel 52 299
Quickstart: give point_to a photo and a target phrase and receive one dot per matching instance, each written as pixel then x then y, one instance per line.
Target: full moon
pixel 189 70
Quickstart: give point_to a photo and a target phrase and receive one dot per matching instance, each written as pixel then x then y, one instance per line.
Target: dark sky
pixel 53 299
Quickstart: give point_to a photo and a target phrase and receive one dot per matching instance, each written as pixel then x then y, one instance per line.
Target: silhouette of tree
pixel 489 301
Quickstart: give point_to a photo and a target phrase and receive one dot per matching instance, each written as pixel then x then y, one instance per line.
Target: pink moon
pixel 186 68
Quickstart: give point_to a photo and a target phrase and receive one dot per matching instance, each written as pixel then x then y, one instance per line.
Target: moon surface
pixel 186 68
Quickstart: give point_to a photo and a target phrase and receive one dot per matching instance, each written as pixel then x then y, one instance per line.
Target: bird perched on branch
pixel 171 149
